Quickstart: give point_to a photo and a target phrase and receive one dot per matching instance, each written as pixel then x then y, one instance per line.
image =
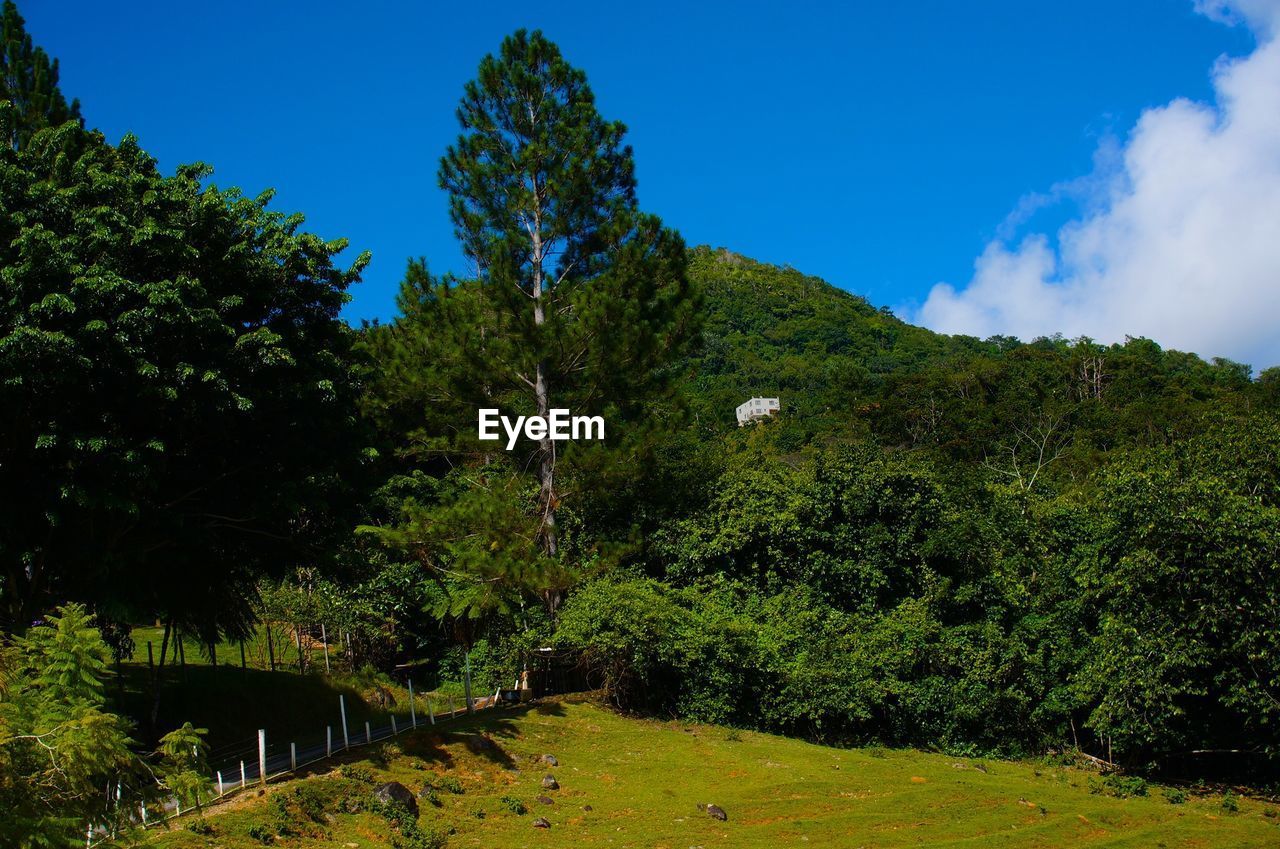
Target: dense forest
pixel 979 546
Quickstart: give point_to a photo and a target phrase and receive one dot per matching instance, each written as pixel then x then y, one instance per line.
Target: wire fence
pixel 249 764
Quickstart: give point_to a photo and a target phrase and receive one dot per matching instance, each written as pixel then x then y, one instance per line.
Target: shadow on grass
pixel 234 703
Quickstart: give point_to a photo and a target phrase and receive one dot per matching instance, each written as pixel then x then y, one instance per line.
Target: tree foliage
pixel 175 386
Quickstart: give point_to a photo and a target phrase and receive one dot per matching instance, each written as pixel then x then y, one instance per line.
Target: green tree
pixel 29 81
pixel 58 747
pixel 184 768
pixel 1186 585
pixel 581 300
pixel 176 388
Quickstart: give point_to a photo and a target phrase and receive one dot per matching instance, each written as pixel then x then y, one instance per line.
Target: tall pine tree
pixel 29 81
pixel 582 299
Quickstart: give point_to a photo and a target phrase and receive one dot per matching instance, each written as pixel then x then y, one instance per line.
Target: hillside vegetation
pixel 639 783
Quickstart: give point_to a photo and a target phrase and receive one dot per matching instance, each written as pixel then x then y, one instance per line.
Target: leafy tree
pixel 28 81
pixel 1186 654
pixel 184 768
pixel 58 747
pixel 176 388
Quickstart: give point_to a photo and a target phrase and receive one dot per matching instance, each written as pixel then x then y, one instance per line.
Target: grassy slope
pixel 644 780
pixel 233 703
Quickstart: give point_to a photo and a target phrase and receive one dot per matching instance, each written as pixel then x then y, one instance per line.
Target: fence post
pixel 451 708
pixel 262 756
pixel 271 648
pixel 293 757
pixel 243 665
pixel 219 786
pixel 430 712
pixel 413 713
pixel 368 738
pixel 393 725
pixel 342 706
pixel 144 810
pixel 328 741
pixel 242 781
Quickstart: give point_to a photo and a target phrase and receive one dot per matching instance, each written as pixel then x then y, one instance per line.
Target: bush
pixel 356 773
pixel 200 826
pixel 1120 786
pixel 514 805
pixel 451 784
pixel 1230 802
pixel 1175 795
pixel 297 806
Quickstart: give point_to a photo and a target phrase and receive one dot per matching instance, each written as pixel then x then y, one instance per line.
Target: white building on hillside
pixel 757 409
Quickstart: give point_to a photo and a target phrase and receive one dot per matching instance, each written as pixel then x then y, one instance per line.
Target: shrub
pixel 1230 802
pixel 356 773
pixel 514 805
pixel 1175 795
pixel 200 826
pixel 451 784
pixel 1120 786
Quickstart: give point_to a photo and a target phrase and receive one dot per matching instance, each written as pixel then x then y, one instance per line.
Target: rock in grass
pixel 546 800
pixel 549 782
pixel 397 793
pixel 587 808
pixel 542 822
pixel 550 760
pixel 717 813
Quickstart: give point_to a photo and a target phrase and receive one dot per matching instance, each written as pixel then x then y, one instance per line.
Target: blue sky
pixel 878 145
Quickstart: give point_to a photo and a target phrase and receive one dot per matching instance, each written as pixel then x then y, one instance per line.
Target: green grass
pixel 645 779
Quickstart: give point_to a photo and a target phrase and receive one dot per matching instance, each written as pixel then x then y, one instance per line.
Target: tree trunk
pixel 547 500
pixel 155 680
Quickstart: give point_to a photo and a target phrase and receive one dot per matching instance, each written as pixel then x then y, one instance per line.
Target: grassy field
pixel 638 783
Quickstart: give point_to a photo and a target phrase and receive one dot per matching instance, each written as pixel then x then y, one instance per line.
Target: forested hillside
pixel 983 547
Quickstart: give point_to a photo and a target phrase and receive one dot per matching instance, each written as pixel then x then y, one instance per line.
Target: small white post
pixel 219 785
pixel 242 781
pixel 88 836
pixel 342 706
pixel 262 756
pixel 393 725
pixel 328 741
pixel 144 808
pixel 431 713
pixel 368 738
pixel 293 757
pixel 413 712
pixel 451 710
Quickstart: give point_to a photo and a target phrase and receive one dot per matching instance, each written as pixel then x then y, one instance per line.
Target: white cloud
pixel 1183 245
